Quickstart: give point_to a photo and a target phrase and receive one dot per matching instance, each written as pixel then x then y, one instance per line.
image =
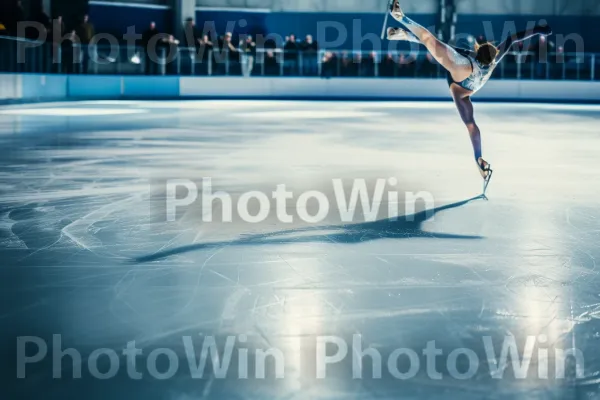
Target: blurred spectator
pixel 387 66
pixel 168 54
pixel 291 43
pixel 190 41
pixel 229 59
pixel 247 44
pixel 248 54
pixel 428 67
pixel 271 67
pixel 558 69
pixel 310 54
pixel 540 50
pixel 401 67
pixel 68 52
pixel 206 43
pixel 406 66
pixel 56 34
pixel 309 45
pixel 356 65
pixel 329 65
pixel 290 56
pixel 345 64
pixel 58 29
pixel 266 57
pixel 367 66
pixel 228 45
pixel 85 32
pixel 191 37
pixel 269 43
pixel 205 56
pixel 149 33
pixel 150 56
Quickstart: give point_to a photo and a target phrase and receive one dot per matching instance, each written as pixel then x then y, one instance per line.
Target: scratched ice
pixel 87 253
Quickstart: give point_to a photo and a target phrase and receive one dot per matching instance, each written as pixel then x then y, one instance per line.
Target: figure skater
pixel 467 70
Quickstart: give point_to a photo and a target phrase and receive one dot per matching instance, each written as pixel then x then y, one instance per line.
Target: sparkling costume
pixel 480 75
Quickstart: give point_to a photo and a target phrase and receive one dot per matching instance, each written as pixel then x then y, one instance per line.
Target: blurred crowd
pixel 157 52
pixel 202 53
pixel 196 52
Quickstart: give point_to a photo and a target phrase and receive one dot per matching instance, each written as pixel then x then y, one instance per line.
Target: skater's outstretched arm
pixel 505 46
pixel 458 65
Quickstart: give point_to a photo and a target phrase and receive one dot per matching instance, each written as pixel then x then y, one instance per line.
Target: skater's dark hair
pixel 486 53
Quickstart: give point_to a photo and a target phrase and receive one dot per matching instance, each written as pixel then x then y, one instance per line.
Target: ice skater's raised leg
pixel 458 65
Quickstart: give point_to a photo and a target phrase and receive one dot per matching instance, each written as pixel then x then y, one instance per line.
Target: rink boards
pixel 33 87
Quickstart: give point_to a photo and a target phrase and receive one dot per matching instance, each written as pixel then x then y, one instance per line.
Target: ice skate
pixel 485 169
pixel 396 12
pixel 401 34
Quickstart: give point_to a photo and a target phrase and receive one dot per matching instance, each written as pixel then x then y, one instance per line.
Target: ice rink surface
pixel 88 254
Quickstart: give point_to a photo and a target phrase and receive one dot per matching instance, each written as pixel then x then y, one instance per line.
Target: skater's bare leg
pixel 458 65
pixel 465 109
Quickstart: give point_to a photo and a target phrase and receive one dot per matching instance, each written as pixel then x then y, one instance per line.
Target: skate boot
pixel 401 34
pixel 396 12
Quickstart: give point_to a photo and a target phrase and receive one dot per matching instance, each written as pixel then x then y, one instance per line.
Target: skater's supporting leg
pixel 458 65
pixel 465 109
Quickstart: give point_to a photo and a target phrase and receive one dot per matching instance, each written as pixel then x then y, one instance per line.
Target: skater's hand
pixel 544 30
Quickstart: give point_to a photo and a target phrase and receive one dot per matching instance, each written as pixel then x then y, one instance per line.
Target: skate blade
pixel 486 182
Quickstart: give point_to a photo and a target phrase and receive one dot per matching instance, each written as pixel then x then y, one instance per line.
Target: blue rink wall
pixel 33 87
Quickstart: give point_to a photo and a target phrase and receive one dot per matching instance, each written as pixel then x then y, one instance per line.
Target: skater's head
pixel 486 53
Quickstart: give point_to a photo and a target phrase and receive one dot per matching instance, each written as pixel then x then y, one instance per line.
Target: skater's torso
pixel 480 75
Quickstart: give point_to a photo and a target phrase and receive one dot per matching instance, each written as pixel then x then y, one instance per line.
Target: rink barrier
pixel 33 87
